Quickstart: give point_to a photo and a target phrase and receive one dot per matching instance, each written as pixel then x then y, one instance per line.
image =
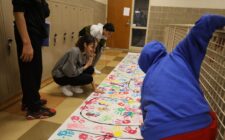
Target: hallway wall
pixel 165 12
pixel 212 4
pixel 102 1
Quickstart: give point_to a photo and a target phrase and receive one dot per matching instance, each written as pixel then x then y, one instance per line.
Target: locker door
pixel 3 52
pixel 56 24
pixel 86 15
pixel 90 16
pixel 48 52
pixel 64 25
pixel 13 78
pixel 52 24
pixel 74 25
pixel 81 18
pixel 73 1
pixel 67 16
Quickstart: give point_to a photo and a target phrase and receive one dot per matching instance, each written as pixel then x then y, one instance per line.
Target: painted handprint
pixel 119 111
pixel 65 133
pixel 129 130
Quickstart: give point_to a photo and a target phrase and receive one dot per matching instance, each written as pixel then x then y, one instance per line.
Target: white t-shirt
pixel 97 30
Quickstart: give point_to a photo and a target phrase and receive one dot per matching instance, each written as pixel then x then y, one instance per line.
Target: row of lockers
pixel 66 19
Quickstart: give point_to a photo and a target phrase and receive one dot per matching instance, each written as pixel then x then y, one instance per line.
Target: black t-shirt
pixel 35 12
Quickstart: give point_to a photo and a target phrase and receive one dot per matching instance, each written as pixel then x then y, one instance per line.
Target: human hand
pixel 90 60
pixel 99 91
pixel 27 53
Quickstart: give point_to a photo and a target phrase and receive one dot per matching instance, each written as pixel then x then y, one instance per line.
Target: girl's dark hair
pixel 88 39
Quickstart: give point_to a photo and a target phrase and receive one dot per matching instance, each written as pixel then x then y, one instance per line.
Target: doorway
pixel 130 18
pixel 119 13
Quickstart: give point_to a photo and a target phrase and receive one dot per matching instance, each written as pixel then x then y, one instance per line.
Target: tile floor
pixel 13 124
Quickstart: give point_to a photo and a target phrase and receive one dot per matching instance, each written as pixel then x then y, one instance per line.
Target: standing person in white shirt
pixel 101 33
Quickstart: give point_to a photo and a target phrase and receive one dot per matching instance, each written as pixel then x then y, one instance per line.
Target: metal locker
pixel 67 20
pixel 74 28
pixel 13 79
pixel 56 50
pixel 3 70
pixel 81 18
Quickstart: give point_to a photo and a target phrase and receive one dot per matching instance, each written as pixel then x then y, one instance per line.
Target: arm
pixel 93 85
pixel 102 42
pixel 70 67
pixel 193 48
pixel 95 89
pixel 19 8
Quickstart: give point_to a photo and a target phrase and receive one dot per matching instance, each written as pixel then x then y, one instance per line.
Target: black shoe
pixel 43 113
pixel 42 103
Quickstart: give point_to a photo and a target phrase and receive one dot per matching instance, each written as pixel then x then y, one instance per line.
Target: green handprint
pixel 119 111
pixel 106 118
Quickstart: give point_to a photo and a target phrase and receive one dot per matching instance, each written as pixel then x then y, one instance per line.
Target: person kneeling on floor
pixel 75 67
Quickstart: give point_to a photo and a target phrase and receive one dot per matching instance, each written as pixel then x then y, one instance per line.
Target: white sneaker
pixel 77 89
pixel 97 71
pixel 66 90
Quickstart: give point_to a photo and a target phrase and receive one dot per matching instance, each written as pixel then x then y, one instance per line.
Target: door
pixel 56 24
pixel 75 28
pixel 3 52
pixel 67 24
pixel 13 79
pixel 81 17
pixel 139 22
pixel 119 13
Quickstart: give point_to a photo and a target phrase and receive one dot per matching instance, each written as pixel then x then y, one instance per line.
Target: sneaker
pixel 77 89
pixel 43 113
pixel 97 71
pixel 42 103
pixel 66 90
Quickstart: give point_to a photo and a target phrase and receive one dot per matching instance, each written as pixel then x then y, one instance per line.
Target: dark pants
pixel 82 79
pixel 98 53
pixel 30 72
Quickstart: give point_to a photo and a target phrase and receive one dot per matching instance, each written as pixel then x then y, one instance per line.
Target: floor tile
pixel 107 69
pixel 107 57
pixel 118 58
pixel 98 78
pixel 13 126
pixel 41 131
pixel 69 105
pixel 15 109
pixel 103 62
pixel 109 53
pixel 113 63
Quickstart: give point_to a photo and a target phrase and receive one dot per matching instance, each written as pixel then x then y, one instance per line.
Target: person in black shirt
pixel 29 32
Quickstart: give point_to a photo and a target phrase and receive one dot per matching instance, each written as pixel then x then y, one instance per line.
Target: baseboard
pixel 16 98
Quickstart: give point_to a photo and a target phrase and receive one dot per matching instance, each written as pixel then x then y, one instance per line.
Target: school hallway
pixel 116 114
pixel 15 126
